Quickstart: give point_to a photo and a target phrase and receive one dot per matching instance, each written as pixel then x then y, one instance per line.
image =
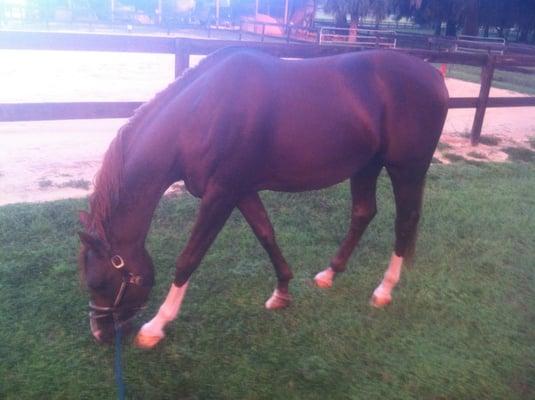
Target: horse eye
pixel 94 280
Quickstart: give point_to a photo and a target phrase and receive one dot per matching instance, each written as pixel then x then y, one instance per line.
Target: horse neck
pixel 139 167
pixel 139 195
pixel 130 223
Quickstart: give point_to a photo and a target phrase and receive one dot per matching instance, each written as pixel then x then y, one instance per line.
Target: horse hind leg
pixel 255 214
pixel 364 208
pixel 408 184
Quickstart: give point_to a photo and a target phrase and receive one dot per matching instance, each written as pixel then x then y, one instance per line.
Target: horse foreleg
pixel 153 331
pixel 364 208
pixel 382 295
pixel 255 214
pixel 216 207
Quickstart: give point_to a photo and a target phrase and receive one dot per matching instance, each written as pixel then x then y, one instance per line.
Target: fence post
pixel 288 33
pixel 181 57
pixel 487 73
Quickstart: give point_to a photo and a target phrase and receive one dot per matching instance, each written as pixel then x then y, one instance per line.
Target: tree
pixel 495 13
pixel 356 10
pixel 147 6
pixel 339 8
pixel 471 18
pixel 525 19
pixel 471 14
pixel 101 9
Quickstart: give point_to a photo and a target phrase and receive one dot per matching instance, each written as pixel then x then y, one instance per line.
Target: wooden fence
pixel 183 48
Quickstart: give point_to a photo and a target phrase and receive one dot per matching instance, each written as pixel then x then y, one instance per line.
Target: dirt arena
pixel 42 161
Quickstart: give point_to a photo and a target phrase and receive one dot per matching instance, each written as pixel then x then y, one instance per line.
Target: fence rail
pixel 183 48
pixel 357 37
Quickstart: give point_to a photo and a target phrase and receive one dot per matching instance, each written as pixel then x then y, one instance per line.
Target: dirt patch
pixel 496 148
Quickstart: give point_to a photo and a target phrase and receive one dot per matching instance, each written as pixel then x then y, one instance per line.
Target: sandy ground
pixel 41 161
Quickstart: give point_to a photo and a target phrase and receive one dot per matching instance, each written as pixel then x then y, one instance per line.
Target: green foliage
pixel 517 82
pixel 461 325
pixel 357 9
pixel 471 14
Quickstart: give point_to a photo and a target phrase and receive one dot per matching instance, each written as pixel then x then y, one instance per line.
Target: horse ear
pixel 83 216
pixel 92 242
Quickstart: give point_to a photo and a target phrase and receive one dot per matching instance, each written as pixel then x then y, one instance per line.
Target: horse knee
pixel 184 269
pixel 266 236
pixel 362 216
pixel 407 222
pixel 406 228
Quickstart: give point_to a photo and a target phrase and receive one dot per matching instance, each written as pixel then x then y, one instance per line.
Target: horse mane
pixel 109 182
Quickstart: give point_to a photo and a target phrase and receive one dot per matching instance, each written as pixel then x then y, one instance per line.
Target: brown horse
pixel 242 122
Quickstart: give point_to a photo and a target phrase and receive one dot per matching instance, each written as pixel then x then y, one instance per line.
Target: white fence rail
pixel 357 37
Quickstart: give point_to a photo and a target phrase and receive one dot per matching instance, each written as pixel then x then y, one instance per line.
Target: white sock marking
pixel 324 279
pixel 168 312
pixel 278 300
pixel 383 293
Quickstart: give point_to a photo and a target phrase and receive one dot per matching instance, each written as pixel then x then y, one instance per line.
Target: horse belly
pixel 303 162
pixel 304 179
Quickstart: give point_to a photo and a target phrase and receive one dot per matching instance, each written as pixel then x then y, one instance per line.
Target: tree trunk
pixel 486 31
pixel 451 28
pixel 523 35
pixel 340 20
pixel 471 20
pixel 438 28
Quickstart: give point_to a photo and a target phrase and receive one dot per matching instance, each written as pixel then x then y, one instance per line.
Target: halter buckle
pixel 135 280
pixel 117 261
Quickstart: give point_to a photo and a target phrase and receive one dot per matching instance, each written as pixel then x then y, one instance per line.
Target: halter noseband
pixel 98 312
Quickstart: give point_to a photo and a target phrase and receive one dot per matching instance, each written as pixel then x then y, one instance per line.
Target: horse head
pixel 118 278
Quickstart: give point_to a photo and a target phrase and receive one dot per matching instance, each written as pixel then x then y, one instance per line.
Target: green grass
pixel 76 184
pixel 443 146
pixel 515 81
pixel 489 140
pixel 520 154
pixel 73 183
pixel 45 183
pixel 462 325
pixel 478 155
pixel 453 157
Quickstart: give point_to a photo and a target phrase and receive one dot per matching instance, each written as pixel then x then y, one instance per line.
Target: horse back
pixel 300 125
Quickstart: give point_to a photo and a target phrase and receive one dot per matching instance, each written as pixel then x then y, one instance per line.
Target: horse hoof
pixel 324 279
pixel 278 300
pixel 380 300
pixel 146 342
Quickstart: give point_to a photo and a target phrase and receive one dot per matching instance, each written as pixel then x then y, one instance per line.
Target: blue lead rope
pixel 118 365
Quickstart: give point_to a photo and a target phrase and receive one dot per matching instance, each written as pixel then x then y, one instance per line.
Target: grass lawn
pixel 517 82
pixel 462 325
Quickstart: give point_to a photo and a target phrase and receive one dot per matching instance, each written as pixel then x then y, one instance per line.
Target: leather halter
pixel 98 312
